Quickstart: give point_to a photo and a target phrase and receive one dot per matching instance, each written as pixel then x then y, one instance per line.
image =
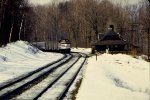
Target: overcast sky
pixel 48 1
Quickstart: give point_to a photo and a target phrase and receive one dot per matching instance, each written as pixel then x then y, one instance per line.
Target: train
pixel 62 46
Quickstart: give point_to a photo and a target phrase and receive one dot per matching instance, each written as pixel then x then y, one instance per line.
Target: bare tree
pixel 82 20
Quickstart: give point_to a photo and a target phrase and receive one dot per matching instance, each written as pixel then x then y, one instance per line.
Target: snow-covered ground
pixel 20 57
pixel 114 77
pixel 83 50
pixel 111 77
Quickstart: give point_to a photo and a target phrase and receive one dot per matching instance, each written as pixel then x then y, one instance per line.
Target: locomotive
pixel 64 46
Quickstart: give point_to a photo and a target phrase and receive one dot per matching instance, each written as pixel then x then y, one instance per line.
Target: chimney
pixel 112 27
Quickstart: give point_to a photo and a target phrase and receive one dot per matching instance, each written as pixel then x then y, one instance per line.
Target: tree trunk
pixel 21 28
pixel 11 32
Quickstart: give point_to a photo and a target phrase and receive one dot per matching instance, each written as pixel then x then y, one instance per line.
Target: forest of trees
pixel 78 20
pixel 14 19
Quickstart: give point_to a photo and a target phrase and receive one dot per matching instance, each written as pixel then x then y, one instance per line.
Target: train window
pixel 65 41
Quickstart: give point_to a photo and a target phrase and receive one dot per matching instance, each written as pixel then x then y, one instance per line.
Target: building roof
pixel 111 42
pixel 111 35
pixel 112 38
pixel 114 42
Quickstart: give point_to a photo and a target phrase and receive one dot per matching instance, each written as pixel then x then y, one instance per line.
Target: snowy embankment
pixel 20 57
pixel 115 77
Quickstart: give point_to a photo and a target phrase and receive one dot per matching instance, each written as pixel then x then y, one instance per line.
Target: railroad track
pixel 72 78
pixel 11 87
pixel 36 86
pixel 12 81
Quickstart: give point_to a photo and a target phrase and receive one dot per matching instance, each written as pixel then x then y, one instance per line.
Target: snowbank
pixel 20 57
pixel 17 50
pixel 115 77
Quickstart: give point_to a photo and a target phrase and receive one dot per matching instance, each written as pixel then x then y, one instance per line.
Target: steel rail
pixel 63 94
pixel 20 78
pixel 56 79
